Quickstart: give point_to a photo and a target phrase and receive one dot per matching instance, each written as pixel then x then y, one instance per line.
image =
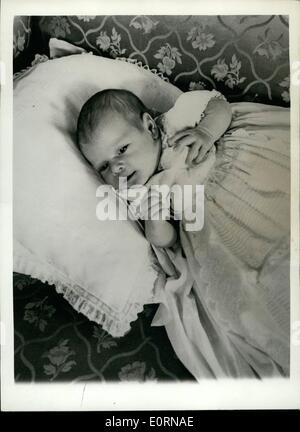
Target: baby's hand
pixel 199 141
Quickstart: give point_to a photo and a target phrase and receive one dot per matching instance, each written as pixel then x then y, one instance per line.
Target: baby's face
pixel 118 149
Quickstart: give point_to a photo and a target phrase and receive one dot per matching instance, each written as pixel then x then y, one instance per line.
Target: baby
pixel 121 138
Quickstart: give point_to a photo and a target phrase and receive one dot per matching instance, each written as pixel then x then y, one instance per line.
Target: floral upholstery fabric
pixel 54 343
pixel 21 41
pixel 244 57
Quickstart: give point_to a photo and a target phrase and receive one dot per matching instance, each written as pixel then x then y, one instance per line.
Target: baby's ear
pixel 150 125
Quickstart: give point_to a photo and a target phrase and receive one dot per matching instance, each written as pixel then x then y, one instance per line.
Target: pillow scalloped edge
pixel 142 66
pixel 116 326
pixel 23 72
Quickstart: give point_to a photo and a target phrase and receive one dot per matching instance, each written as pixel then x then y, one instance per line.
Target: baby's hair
pixel 106 102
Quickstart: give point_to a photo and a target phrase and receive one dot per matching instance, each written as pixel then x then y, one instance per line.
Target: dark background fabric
pixel 246 57
pixel 54 343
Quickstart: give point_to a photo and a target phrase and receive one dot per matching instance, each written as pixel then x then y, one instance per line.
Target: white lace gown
pixel 226 305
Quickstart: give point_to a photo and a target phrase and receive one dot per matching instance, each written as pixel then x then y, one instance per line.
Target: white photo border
pixel 209 395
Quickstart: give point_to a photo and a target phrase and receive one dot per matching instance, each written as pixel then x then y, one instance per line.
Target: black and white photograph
pixel 154 212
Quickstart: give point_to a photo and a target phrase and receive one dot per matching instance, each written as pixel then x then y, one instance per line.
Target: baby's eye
pixel 123 149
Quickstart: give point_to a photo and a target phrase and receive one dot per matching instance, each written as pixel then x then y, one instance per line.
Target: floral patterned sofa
pixel 244 57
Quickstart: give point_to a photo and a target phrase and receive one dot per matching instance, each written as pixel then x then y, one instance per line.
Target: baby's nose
pixel 117 168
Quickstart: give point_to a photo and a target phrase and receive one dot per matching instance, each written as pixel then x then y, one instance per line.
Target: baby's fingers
pixel 184 142
pixel 175 139
pixel 203 151
pixel 193 153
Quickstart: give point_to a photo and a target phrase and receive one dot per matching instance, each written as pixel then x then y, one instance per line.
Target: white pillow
pixel 106 270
